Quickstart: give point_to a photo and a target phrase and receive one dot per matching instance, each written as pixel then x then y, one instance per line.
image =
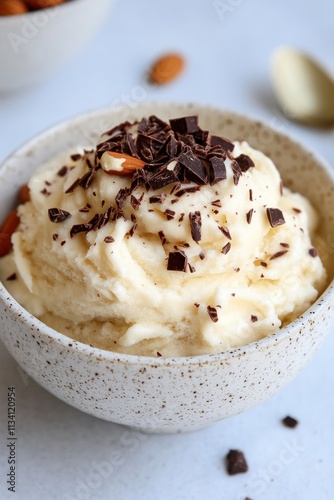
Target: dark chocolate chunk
pixel 236 462
pixel 278 254
pixel 158 354
pixel 249 216
pixel 245 162
pixel 225 231
pixel 221 141
pixel 195 170
pixel 57 215
pixel 217 170
pixel 12 277
pixel 162 178
pixel 185 125
pixel 226 248
pixel 62 172
pixel 177 261
pixel 290 422
pixel 195 225
pixel 313 252
pixel 253 318
pixel 275 217
pixel 108 239
pixel 212 312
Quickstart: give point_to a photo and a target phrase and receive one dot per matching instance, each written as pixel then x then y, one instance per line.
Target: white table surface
pixel 62 453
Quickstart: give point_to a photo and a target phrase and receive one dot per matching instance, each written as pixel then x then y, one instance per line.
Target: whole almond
pixel 120 163
pixel 24 194
pixel 166 69
pixel 42 4
pixel 6 230
pixel 12 7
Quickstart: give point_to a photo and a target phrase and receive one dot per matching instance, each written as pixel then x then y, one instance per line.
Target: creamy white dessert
pixel 173 258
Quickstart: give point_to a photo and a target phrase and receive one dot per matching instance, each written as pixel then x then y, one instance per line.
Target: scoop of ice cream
pixel 187 255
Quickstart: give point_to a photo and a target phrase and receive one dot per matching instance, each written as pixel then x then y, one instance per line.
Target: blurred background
pixel 227 47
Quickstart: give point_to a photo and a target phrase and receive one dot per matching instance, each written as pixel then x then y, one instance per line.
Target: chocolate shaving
pixel 133 229
pixel 278 254
pixel 313 252
pixel 12 277
pixel 158 354
pixel 285 245
pixel 63 171
pixel 177 261
pixel 163 238
pixel 236 172
pixel 249 216
pixel 76 157
pixel 135 202
pixel 275 217
pixel 253 318
pixel 225 231
pixel 183 191
pixel 226 248
pixel 108 239
pixel 212 312
pixel 158 198
pixel 169 214
pixel 216 203
pixel 55 237
pixel 297 210
pixel 250 195
pixel 57 215
pixel 191 268
pixel 195 225
pixel 202 256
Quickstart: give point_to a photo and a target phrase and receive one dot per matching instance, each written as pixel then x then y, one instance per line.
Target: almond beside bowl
pixel 159 394
pixel 34 44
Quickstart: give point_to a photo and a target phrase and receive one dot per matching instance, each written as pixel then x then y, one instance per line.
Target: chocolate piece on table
pixel 236 462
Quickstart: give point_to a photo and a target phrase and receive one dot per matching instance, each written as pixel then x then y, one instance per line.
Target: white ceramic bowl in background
pixel 169 395
pixel 33 45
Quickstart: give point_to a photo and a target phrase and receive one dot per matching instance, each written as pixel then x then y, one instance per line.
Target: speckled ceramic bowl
pixel 170 395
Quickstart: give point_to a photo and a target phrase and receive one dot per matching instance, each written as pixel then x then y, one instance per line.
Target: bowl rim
pixel 131 359
pixel 31 13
